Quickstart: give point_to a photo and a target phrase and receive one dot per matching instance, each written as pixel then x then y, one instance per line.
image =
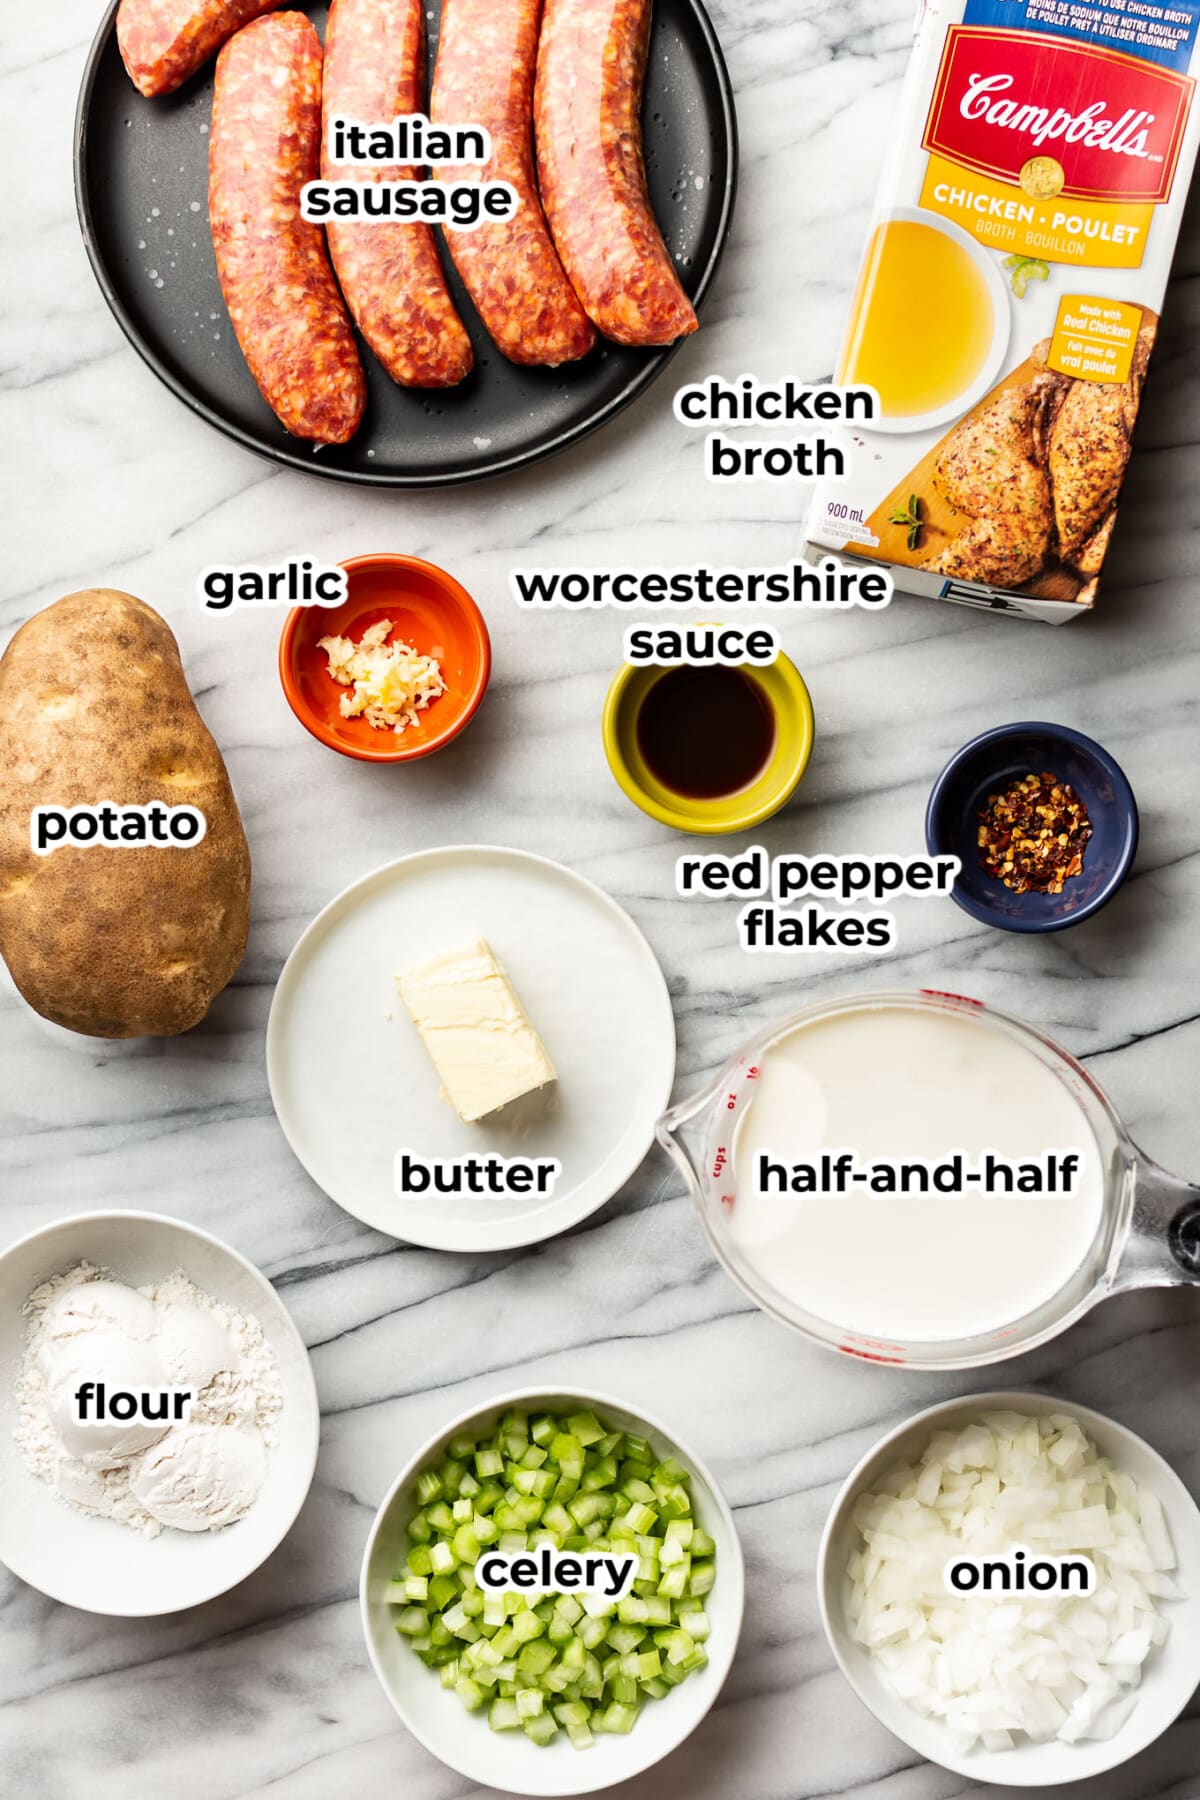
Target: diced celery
pixel 585 1427
pixel 429 1487
pixel 591 1683
pixel 535 1659
pixel 672 1552
pixel 469 1692
pixel 674 1582
pixel 702 1577
pixel 542 1729
pixel 452 1472
pixel 601 1474
pixel 591 1632
pixel 582 1662
pixel 442 1589
pixel 567 1452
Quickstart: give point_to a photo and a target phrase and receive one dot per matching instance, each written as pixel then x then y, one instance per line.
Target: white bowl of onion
pixel 1020 1690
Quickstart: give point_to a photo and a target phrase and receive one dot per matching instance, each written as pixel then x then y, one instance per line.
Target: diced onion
pixel 1002 1668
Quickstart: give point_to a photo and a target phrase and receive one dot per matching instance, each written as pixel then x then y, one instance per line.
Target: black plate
pixel 141 185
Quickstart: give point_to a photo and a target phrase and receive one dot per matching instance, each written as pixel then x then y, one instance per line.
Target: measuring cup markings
pixel 1149 1225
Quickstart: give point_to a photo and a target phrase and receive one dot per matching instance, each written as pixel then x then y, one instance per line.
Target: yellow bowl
pixel 788 698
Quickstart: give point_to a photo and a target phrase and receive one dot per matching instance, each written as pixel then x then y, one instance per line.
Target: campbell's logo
pixel 1112 122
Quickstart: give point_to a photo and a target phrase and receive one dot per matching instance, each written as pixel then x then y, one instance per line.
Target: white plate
pixel 352 1083
pixel 1171 1671
pixel 97 1564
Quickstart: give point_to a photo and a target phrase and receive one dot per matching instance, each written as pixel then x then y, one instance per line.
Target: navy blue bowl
pixel 992 762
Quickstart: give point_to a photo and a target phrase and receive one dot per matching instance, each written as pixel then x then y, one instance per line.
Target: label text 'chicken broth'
pixel 1022 245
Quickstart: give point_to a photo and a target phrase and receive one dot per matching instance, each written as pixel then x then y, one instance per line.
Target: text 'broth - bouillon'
pixel 705 733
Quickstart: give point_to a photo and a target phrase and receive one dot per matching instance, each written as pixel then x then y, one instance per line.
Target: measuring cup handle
pixel 1163 1246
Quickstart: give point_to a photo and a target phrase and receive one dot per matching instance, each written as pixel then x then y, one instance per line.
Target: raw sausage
pixel 486 58
pixel 162 42
pixel 591 74
pixel 390 274
pixel 274 270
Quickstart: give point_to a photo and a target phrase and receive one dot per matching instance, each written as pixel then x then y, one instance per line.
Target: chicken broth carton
pixel 1009 294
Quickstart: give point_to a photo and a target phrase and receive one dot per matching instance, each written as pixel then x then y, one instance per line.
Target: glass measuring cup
pixel 1148 1234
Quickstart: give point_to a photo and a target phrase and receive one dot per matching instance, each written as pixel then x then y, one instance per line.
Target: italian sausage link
pixel 273 265
pixel 591 75
pixel 163 42
pixel 390 274
pixel 486 58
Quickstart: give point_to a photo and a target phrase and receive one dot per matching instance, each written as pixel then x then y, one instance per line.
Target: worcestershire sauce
pixel 705 732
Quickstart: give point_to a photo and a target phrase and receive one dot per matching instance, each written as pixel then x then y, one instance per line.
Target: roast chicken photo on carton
pixel 1037 474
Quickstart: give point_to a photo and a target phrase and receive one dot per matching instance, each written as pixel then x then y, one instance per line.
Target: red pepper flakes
pixel 1033 834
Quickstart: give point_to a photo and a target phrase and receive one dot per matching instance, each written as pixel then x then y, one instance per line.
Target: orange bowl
pixel 428 610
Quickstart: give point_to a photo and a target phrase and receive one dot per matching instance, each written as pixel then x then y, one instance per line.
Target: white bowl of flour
pixel 144 1527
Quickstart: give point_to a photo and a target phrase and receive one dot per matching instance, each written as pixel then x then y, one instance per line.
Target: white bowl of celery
pixel 544 1693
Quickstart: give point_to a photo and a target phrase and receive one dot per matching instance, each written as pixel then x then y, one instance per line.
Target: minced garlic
pixel 390 683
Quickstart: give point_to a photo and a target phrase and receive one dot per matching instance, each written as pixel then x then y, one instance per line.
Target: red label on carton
pixel 1114 123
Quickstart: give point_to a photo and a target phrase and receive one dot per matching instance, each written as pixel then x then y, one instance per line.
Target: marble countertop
pixel 110 481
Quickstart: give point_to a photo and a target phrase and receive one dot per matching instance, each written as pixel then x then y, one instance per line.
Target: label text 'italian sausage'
pixel 402 196
pixel 115 827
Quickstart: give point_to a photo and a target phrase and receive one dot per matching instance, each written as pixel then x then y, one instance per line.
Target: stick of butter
pixel 475 1029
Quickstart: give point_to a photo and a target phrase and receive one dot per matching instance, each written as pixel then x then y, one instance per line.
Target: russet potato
pixel 114 941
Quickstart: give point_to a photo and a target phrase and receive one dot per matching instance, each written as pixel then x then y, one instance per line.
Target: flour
pixel 194 1476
